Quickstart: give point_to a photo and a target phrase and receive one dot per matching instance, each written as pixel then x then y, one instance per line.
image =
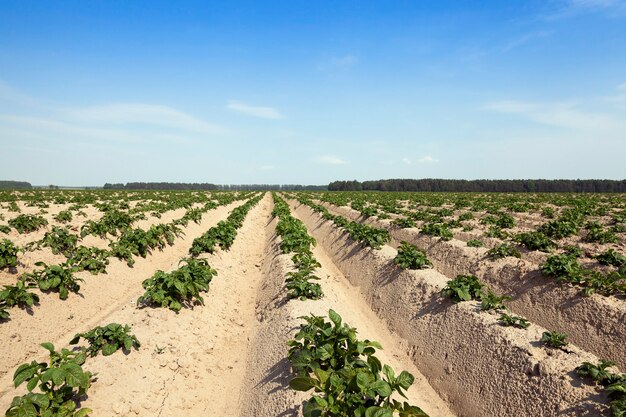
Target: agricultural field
pixel 189 303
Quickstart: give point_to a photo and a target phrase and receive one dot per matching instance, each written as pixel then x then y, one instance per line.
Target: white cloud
pixel 267 167
pixel 256 111
pixel 559 114
pixel 151 114
pixel 427 160
pixel 522 40
pixel 406 161
pixel 570 8
pixel 330 160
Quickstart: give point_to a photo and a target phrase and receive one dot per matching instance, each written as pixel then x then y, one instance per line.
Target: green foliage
pixel 574 251
pixel 178 288
pixel 410 257
pixel 466 216
pixel 496 232
pixel 59 240
pixel 225 232
pixel 8 254
pixel 5 229
pixel 475 243
pixel 26 223
pixel 548 212
pixel 597 233
pixel 464 288
pixel 469 287
pixel 491 301
pixel 113 222
pixel 54 278
pixel 437 229
pixel 4 313
pixel 348 380
pixel 611 257
pixel 17 295
pixel 503 251
pixel 299 286
pixel 502 221
pixel 614 384
pixel 599 373
pixel 370 236
pixel 514 321
pixel 294 235
pixel 559 229
pixel 139 242
pixel 295 239
pixel 404 222
pixel 61 383
pixel 64 216
pixel 222 235
pixel 554 339
pixel 565 268
pixel 89 259
pixel 535 241
pixel 108 339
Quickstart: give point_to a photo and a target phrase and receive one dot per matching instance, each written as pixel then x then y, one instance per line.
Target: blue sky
pixel 310 92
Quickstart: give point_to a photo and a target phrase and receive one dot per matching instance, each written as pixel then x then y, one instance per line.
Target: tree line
pixel 15 184
pixel 211 187
pixel 507 186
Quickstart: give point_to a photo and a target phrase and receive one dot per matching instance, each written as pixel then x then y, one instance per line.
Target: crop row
pixel 469 287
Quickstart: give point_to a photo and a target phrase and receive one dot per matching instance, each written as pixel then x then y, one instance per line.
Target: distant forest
pixel 209 186
pixel 507 186
pixel 15 184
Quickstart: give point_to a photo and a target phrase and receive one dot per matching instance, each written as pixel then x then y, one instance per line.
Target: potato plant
pixel 8 254
pixel 57 278
pixel 554 339
pixel 410 257
pixel 108 339
pixel 502 251
pixel 535 241
pixel 438 230
pixel 26 223
pixel 64 216
pixel 59 240
pixel 295 239
pixel 613 384
pixel 347 379
pixel 61 383
pixel 179 288
pixel 89 259
pixel 18 295
pixel 464 288
pixel 514 321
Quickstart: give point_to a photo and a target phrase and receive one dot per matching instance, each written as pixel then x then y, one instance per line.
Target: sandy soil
pixel 228 357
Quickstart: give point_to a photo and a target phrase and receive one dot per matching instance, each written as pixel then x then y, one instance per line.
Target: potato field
pixel 364 304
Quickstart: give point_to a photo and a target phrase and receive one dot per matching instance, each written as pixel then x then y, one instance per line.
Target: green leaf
pixel 83 412
pixel 388 370
pixel 382 388
pixel 378 412
pixel 109 349
pixel 405 379
pixel 334 317
pixel 302 383
pixel 48 346
pixel 74 374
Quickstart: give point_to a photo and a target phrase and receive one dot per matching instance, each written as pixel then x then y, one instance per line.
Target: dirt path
pixel 56 321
